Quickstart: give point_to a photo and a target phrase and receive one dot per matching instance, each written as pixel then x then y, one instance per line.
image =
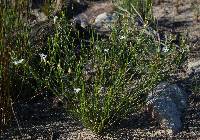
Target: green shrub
pixel 102 81
pixel 109 79
pixel 13 40
pixel 5 104
pixel 142 9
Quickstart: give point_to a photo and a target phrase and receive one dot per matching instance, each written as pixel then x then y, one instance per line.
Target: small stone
pixel 194 67
pixel 105 20
pixel 102 17
pixel 167 103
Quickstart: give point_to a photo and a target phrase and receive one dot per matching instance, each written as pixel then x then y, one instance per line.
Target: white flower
pixel 69 70
pixel 165 49
pixel 106 50
pixel 77 90
pixel 102 89
pixel 54 19
pixel 18 62
pixel 43 57
pixel 122 37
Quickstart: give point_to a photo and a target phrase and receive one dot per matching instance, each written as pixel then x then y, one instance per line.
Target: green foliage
pixel 109 79
pixel 12 42
pixel 5 104
pixel 101 82
pixel 143 9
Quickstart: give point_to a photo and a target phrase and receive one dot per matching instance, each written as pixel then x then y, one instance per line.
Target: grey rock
pixel 193 67
pixel 80 21
pixel 105 21
pixel 40 16
pixel 167 103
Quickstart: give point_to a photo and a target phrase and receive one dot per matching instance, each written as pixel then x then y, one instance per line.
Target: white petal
pixel 106 50
pixel 18 62
pixel 77 90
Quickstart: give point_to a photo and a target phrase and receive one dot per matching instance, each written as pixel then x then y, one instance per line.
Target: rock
pixel 80 21
pixel 101 18
pixel 194 67
pixel 95 14
pixel 158 2
pixel 104 21
pixel 167 103
pixel 40 16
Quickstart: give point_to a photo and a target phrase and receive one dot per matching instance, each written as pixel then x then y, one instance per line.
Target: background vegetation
pixel 99 82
